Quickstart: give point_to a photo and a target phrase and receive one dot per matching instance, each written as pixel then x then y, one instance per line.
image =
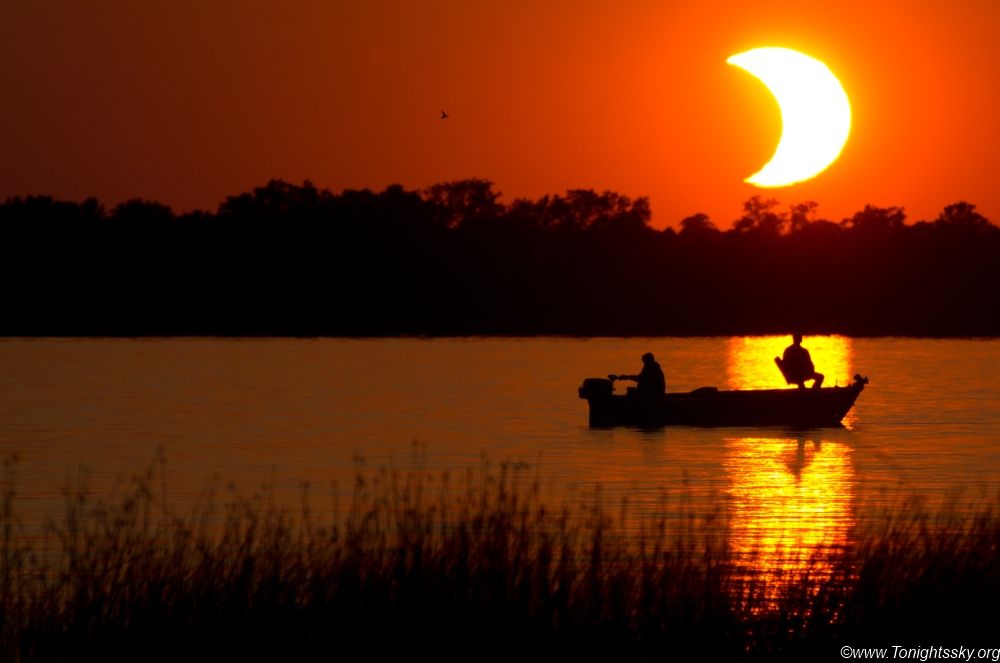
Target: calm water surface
pixel 286 412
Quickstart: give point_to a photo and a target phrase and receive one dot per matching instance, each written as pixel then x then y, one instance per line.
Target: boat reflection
pixel 791 506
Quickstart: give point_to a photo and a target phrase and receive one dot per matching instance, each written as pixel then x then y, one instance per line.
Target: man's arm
pixel 634 378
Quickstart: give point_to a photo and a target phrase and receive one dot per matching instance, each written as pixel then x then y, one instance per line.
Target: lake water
pixel 286 412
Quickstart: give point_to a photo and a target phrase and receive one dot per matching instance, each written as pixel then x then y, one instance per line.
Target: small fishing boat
pixel 708 406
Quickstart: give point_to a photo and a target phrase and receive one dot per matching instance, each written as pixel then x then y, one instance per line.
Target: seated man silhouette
pixel 797 366
pixel 650 383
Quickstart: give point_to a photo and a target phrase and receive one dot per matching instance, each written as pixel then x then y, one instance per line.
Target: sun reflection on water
pixel 791 508
pixel 791 495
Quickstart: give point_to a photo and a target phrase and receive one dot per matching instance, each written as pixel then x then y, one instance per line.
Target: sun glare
pixel 815 113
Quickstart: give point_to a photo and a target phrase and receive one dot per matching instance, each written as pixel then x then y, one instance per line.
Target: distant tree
pixel 624 214
pixel 141 211
pixel 760 217
pixel 697 224
pixel 47 210
pixel 91 210
pixel 607 210
pixel 583 207
pixel 464 201
pixel 963 216
pixel 876 220
pixel 403 212
pixel 293 259
pixel 277 198
pixel 801 215
pixel 531 215
pixel 819 228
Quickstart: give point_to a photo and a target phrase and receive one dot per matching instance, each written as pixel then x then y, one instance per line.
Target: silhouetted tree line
pixel 452 259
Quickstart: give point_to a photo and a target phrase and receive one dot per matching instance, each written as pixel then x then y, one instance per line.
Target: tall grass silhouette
pixel 481 567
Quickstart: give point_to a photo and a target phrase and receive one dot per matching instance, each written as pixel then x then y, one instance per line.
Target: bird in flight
pixel 444 115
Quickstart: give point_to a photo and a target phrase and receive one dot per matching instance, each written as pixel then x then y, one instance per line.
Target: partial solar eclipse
pixel 815 113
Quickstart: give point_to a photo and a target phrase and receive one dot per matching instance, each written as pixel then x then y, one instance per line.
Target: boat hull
pixel 795 408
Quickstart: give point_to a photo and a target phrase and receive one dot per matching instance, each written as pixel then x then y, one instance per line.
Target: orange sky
pixel 186 101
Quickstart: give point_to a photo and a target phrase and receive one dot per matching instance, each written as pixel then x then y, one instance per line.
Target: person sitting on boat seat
pixel 650 383
pixel 797 366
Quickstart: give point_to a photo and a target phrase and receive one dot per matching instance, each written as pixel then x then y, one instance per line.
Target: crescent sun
pixel 815 113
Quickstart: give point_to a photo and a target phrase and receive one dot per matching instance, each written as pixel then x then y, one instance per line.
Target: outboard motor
pixel 596 388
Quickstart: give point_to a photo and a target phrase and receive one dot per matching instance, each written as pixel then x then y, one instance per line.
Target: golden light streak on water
pixel 790 508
